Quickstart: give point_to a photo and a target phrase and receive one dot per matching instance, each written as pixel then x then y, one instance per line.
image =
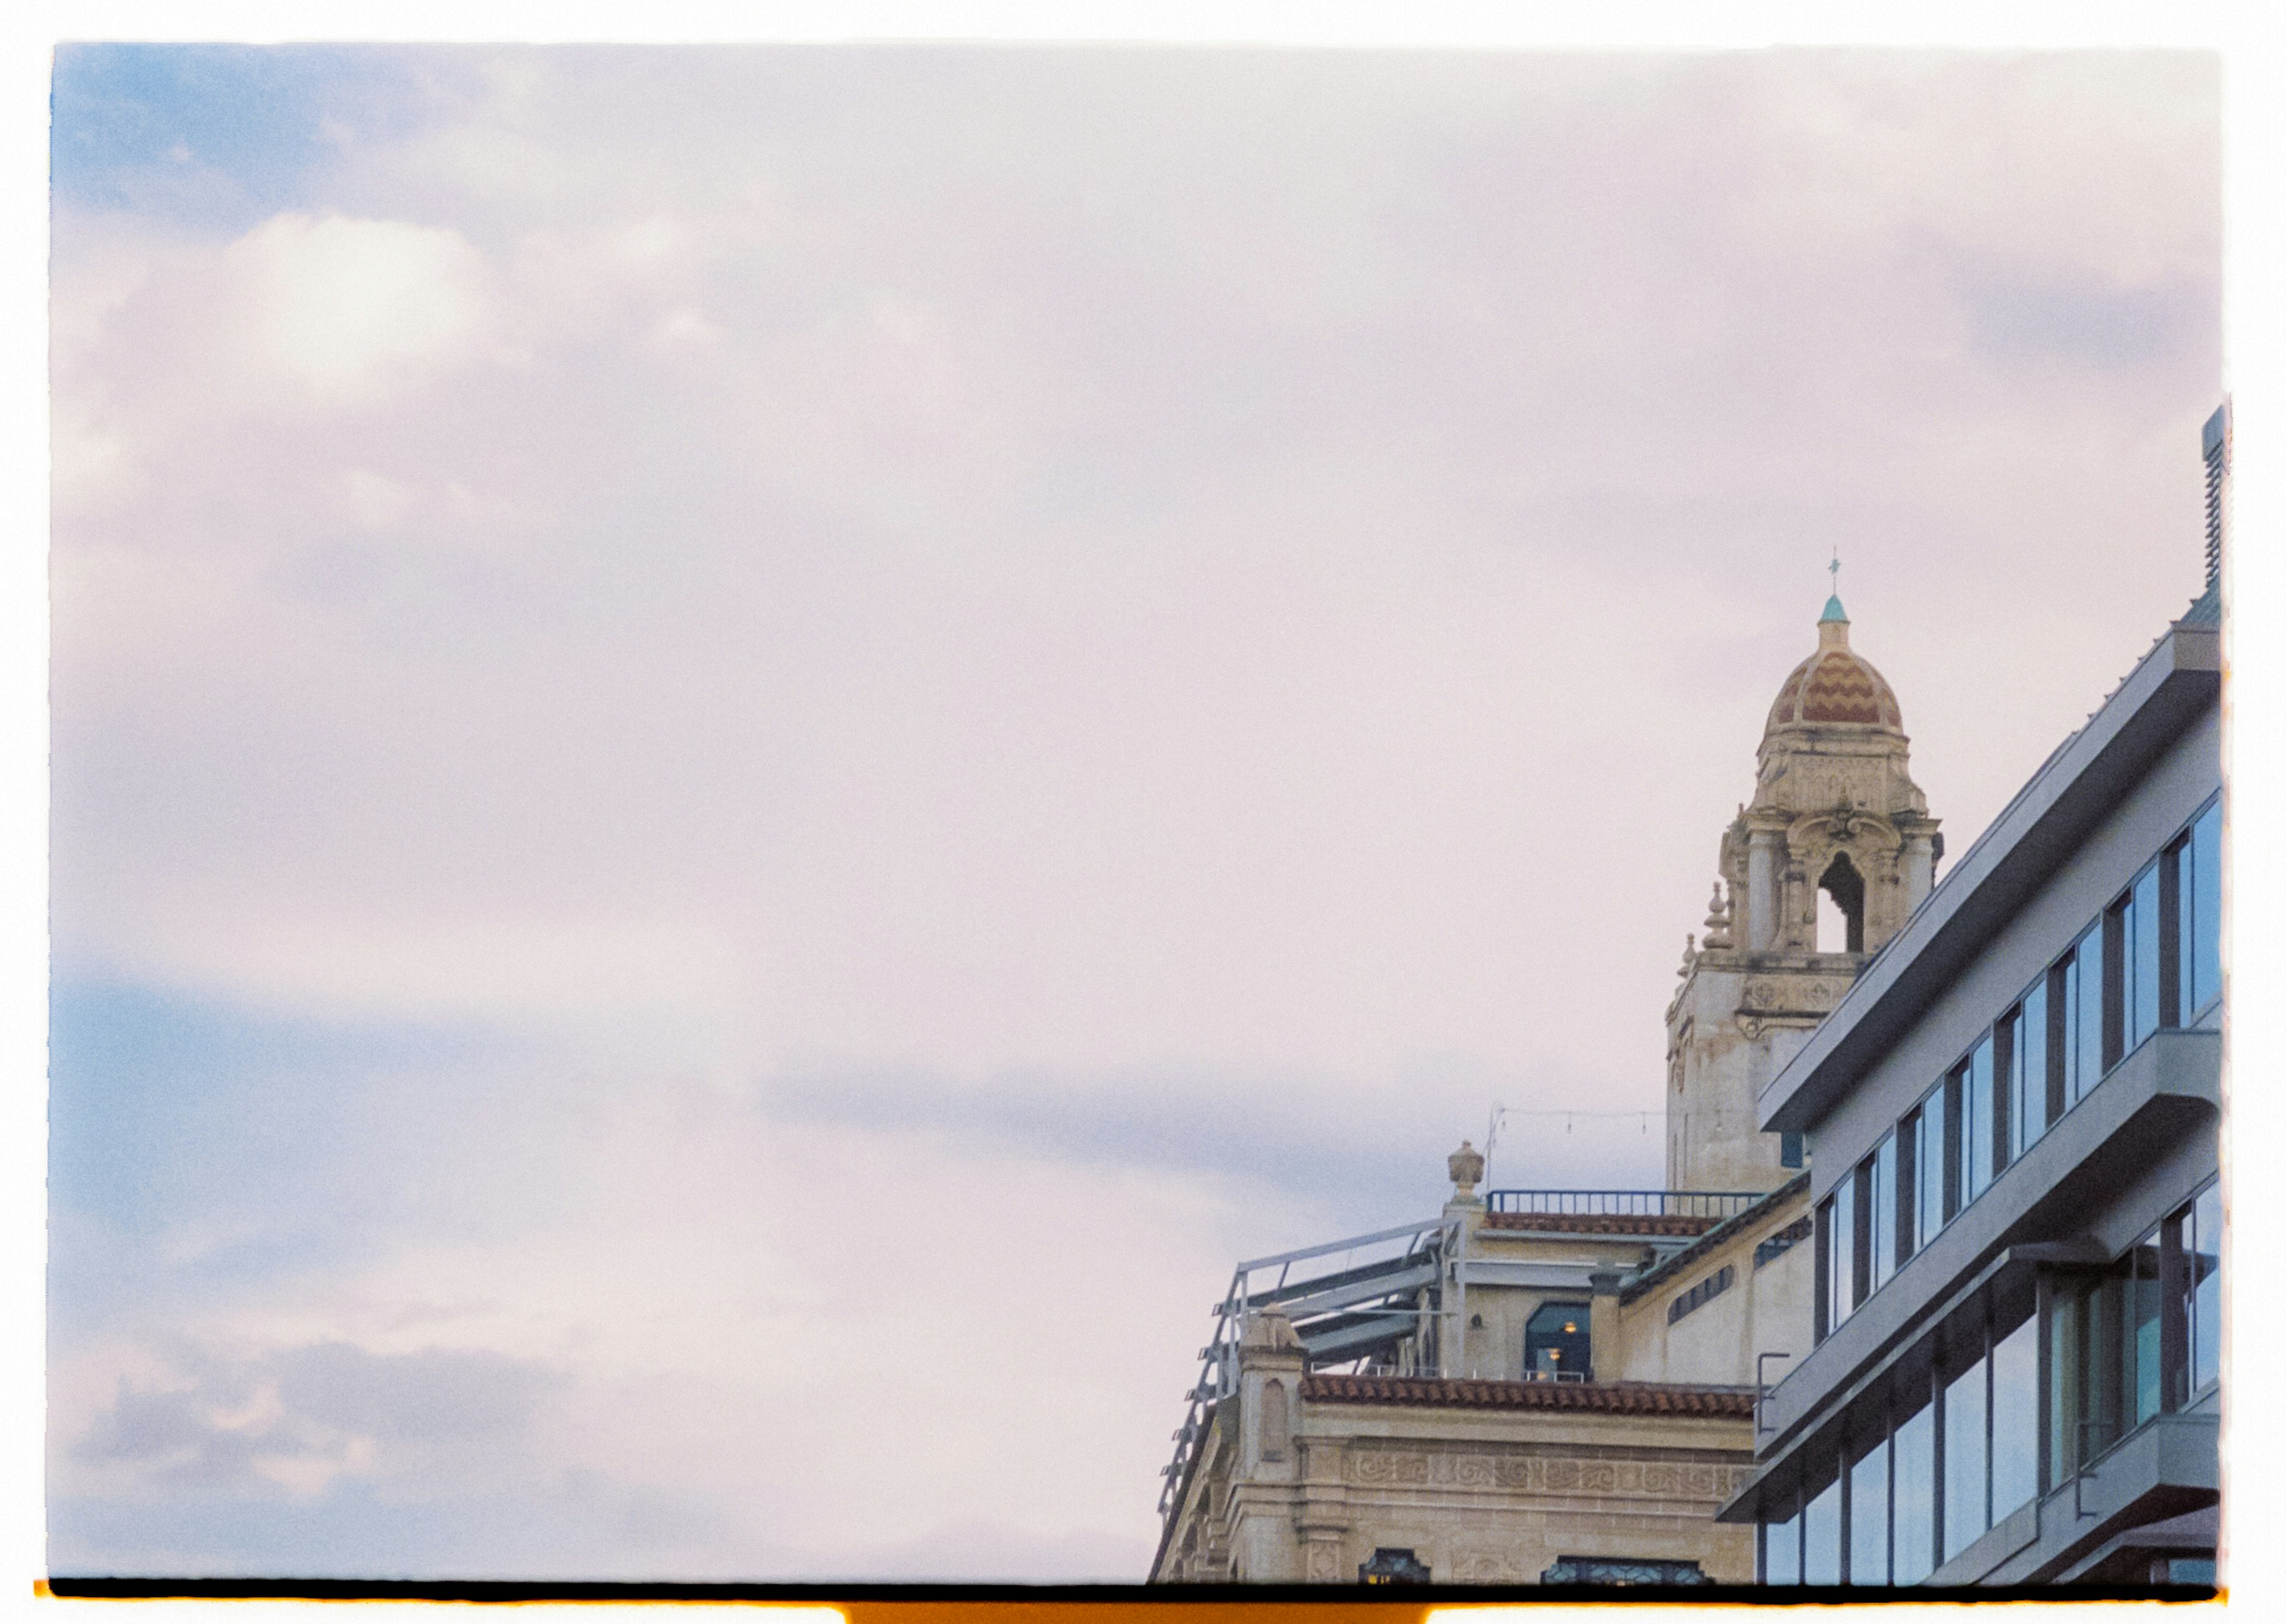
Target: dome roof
pixel 1834 687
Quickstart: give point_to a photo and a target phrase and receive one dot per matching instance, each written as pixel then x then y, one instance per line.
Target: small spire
pixel 1833 610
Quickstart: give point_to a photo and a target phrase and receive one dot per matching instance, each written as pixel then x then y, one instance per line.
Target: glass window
pixel 2084 1067
pixel 2015 1418
pixel 1841 1253
pixel 1556 1341
pixel 1821 1536
pixel 1928 1162
pixel 2028 1068
pixel 2008 1116
pixel 1964 1459
pixel 2139 999
pixel 2200 896
pixel 2065 1405
pixel 2143 1327
pixel 2100 1364
pixel 1782 1552
pixel 1869 1517
pixel 1914 1516
pixel 1956 1145
pixel 2203 1270
pixel 1881 1191
pixel 1975 1136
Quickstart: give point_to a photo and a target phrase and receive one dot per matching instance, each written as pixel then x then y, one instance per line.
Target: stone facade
pixel 1485 1469
pixel 1496 1500
pixel 1835 809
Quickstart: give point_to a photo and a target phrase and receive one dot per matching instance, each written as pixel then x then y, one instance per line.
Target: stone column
pixel 1465 1212
pixel 1269 1353
pixel 1604 1362
pixel 1919 863
pixel 1762 889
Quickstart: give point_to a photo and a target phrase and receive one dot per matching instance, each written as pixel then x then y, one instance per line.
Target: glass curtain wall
pixel 2151 960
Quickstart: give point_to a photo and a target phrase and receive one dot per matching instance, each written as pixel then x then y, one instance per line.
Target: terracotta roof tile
pixel 1607 1398
pixel 1598 1222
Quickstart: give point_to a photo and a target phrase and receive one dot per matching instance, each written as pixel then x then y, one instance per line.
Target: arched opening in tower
pixel 1841 907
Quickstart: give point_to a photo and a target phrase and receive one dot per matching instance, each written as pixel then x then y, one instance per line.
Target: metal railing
pixel 1400 1262
pixel 1626 1203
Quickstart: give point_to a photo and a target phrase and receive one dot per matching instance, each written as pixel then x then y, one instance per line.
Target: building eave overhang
pixel 2034 835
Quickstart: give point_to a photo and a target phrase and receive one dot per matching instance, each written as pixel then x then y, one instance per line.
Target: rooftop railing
pixel 1626 1203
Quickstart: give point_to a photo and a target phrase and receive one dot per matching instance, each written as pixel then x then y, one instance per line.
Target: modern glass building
pixel 2013 1122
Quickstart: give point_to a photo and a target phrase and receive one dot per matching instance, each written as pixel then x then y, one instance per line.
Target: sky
pixel 755 749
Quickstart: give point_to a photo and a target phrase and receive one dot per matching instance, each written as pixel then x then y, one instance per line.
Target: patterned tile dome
pixel 1834 686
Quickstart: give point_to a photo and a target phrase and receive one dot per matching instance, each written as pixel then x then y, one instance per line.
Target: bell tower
pixel 1835 812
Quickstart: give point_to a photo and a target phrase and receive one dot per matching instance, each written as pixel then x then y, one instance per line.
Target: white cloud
pixel 356 309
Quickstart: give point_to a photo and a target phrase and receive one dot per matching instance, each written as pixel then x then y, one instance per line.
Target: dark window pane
pixel 1555 1342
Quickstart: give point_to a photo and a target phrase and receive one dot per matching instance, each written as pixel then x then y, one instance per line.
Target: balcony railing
pixel 1626 1203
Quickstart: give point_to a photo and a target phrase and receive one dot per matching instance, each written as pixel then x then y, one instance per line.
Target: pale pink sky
pixel 717 711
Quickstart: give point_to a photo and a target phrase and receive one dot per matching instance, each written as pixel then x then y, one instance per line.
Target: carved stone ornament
pixel 1465 1166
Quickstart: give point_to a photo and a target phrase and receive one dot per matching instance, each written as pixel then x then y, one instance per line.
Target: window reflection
pixel 1782 1552
pixel 2204 1269
pixel 2015 1418
pixel 1821 1536
pixel 1964 1459
pixel 1869 1517
pixel 1913 1517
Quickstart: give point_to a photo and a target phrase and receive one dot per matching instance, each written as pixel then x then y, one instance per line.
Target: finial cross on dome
pixel 1836 569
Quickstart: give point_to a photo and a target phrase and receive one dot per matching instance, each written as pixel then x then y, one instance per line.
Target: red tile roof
pixel 1598 1222
pixel 1608 1398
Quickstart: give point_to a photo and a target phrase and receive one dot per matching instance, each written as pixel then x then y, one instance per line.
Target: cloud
pixel 298 1419
pixel 744 738
pixel 356 308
